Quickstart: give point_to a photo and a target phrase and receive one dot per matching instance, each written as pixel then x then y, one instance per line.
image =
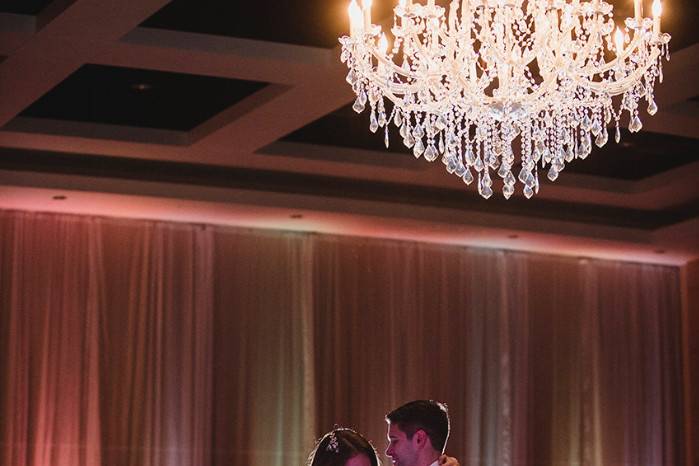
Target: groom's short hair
pixel 427 415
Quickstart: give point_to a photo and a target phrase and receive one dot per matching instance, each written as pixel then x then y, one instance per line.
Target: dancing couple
pixel 417 435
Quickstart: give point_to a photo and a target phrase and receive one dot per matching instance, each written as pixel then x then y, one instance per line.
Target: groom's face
pixel 400 448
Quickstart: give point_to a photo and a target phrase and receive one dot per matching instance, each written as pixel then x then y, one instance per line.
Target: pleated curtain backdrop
pixel 148 343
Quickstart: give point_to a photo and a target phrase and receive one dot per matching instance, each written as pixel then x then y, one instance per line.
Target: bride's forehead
pixel 358 460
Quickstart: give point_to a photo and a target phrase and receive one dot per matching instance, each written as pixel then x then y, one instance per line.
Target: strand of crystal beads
pixel 490 79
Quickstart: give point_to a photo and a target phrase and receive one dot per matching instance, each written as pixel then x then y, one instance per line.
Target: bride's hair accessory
pixel 332 443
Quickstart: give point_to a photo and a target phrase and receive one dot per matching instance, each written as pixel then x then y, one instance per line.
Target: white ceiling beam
pixel 69 39
pixel 15 30
pixel 224 57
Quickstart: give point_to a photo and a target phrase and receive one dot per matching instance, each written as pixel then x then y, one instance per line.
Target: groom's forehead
pixel 394 431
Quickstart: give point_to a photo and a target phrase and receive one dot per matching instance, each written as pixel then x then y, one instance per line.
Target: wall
pixel 690 300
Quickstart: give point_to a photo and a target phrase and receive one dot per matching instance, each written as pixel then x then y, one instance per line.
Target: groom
pixel 417 433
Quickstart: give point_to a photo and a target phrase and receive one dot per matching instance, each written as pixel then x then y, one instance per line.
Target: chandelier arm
pixel 390 64
pixel 619 87
pixel 619 59
pixel 584 54
pixel 415 42
pixel 488 101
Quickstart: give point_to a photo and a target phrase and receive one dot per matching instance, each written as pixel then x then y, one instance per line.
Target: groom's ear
pixel 420 438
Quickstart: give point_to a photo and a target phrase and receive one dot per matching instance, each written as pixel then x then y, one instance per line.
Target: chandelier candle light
pixel 475 82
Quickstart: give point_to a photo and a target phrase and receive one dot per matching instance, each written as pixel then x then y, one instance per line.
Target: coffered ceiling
pixel 237 113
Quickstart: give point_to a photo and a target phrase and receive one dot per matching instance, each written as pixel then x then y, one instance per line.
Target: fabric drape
pixel 150 343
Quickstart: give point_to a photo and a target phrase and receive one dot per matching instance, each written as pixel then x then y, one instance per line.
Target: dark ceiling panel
pixel 345 128
pixel 23 7
pixel 319 23
pixel 316 23
pixel 140 98
pixel 636 157
pixel 679 19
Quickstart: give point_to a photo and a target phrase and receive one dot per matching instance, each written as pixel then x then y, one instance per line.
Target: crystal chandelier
pixel 474 84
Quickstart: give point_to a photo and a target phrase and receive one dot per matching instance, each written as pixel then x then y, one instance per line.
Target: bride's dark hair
pixel 339 445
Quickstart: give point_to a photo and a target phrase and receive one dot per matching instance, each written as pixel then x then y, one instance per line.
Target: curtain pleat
pixel 52 312
pixel 132 343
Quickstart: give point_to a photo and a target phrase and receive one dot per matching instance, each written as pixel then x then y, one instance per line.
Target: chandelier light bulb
pixel 657 13
pixel 383 44
pixel 355 16
pixel 367 14
pixel 638 9
pixel 657 8
pixel 619 41
pixel 499 90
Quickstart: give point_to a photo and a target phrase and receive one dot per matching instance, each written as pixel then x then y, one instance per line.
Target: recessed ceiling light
pixel 141 87
pixel 59 198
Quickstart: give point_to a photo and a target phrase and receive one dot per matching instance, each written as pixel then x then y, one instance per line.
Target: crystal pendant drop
pixel 451 139
pixel 351 77
pixel 596 128
pixel 652 108
pixel 528 192
pixel 530 180
pixel 483 189
pixel 397 120
pixel 635 125
pixel 385 138
pixel 570 153
pixel 602 138
pixel 617 135
pixel 479 166
pixel 373 123
pixel 586 123
pixel 537 154
pixel 419 148
pixel 451 165
pixel 508 190
pixel 382 118
pixel 460 169
pixel 418 131
pixel 553 173
pixel 510 179
pixel 430 153
pixel 468 177
pixel 358 105
pixel 362 97
pixel 470 156
pixel 547 155
pixel 409 140
pixel 523 175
